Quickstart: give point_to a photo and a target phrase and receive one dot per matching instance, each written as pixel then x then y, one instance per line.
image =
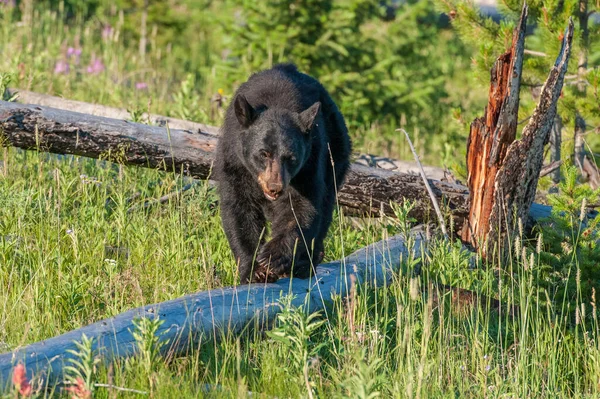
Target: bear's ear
pixel 243 111
pixel 308 117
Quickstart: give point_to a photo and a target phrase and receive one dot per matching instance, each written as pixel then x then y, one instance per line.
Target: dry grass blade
pixel 427 185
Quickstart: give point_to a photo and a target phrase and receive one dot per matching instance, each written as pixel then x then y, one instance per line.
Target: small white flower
pixel 110 262
pixel 69 231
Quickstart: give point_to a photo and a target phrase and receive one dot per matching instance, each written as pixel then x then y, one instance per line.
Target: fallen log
pixel 30 97
pixel 366 191
pixel 197 318
pixel 504 172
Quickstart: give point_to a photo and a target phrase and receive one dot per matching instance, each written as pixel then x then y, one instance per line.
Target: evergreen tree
pixel 381 63
pixel 547 19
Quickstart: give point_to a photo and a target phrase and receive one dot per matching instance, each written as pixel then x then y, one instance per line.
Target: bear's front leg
pixel 244 223
pixel 295 246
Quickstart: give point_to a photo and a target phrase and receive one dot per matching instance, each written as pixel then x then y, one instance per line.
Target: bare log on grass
pixel 195 319
pixel 367 190
pixel 503 173
pixel 29 97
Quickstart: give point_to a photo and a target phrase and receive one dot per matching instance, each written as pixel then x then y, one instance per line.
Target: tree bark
pixel 555 143
pixel 29 97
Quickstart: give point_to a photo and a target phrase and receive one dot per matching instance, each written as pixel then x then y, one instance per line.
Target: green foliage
pixel 5 79
pixel 83 366
pixel 580 91
pixel 148 342
pixel 393 72
pixel 295 332
pixel 187 101
pixel 571 254
pixel 366 379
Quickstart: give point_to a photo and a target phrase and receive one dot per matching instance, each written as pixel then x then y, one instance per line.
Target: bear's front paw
pixel 273 262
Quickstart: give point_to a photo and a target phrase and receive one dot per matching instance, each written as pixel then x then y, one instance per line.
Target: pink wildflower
pixel 107 32
pixel 79 390
pixel 20 382
pixel 61 67
pixel 74 52
pixel 96 66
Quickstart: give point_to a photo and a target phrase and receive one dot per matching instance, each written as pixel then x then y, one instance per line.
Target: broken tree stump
pixel 491 135
pixel 503 173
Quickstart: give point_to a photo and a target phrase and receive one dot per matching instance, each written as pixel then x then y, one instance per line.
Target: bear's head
pixel 276 143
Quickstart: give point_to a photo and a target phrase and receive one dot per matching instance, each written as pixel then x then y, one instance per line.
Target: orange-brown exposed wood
pixel 491 135
pixel 503 173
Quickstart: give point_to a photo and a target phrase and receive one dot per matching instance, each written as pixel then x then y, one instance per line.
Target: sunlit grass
pixel 72 254
pixel 77 246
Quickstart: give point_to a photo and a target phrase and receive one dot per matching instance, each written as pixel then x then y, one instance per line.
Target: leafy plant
pixel 81 373
pixel 570 254
pixel 5 80
pixel 295 331
pixel 148 342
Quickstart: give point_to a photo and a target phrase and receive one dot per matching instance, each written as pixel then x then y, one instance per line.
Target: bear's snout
pixel 273 180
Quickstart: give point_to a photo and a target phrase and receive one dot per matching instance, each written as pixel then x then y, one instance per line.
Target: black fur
pixel 273 164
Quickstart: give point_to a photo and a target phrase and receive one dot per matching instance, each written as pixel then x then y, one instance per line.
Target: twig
pixel 165 198
pixel 551 167
pixel 121 389
pixel 535 53
pixel 427 186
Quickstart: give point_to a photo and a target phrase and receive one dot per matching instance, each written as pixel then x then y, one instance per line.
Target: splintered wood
pixel 503 173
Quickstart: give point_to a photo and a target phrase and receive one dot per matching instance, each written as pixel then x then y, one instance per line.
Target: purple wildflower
pixel 74 52
pixel 107 32
pixel 8 3
pixel 61 67
pixel 141 86
pixel 96 66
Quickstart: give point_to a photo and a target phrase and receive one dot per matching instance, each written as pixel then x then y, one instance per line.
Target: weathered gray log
pixel 367 190
pixel 396 165
pixel 29 97
pixel 195 319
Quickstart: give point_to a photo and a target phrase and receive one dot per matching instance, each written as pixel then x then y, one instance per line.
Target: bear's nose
pixel 274 189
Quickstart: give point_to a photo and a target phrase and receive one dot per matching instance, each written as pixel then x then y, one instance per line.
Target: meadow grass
pixel 72 254
pixel 77 246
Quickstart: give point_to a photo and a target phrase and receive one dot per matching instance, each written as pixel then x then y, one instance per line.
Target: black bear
pixel 283 152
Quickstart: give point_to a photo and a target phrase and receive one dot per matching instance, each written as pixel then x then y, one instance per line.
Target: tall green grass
pixel 77 245
pixel 71 254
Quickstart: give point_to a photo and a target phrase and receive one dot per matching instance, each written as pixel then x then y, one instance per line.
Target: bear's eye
pixel 264 154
